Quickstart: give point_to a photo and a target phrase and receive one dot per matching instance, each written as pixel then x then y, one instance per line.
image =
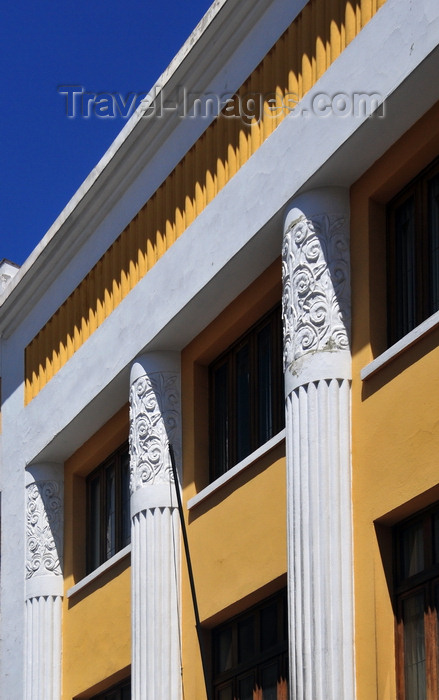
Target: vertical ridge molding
pixel 44 580
pixel 317 365
pixel 289 70
pixel 155 421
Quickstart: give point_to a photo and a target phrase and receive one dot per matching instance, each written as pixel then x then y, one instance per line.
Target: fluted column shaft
pixel 44 580
pixel 317 363
pixel 155 552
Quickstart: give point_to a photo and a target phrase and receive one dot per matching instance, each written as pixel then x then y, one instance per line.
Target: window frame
pixel 262 658
pixel 115 692
pixel 229 358
pixel 95 559
pixel 425 581
pixel 422 297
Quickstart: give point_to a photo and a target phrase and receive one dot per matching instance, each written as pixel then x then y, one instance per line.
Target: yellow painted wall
pixel 395 413
pixel 299 58
pixel 237 536
pixel 96 620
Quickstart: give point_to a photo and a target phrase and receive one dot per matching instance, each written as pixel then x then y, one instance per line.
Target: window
pixel 250 657
pixel 246 394
pixel 417 601
pixel 108 508
pixel 121 691
pixel 413 254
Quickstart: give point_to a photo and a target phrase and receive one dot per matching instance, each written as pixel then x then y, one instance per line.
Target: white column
pixel 317 362
pixel 155 536
pixel 44 580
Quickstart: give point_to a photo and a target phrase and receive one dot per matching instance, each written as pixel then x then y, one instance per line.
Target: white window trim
pixel 237 469
pixel 99 571
pixel 399 347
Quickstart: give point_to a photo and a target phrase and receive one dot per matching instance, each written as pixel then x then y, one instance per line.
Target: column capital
pixel 316 287
pixel 154 423
pixel 44 529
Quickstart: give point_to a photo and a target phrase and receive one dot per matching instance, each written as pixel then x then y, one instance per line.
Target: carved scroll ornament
pixel 44 528
pixel 154 423
pixel 315 274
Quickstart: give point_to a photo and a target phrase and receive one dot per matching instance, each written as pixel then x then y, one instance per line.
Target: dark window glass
pixel 246 390
pixel 416 589
pixel 221 412
pixel 223 650
pixel 243 419
pixel 269 626
pixel 414 647
pixel 94 524
pixel 246 639
pixel 225 693
pixel 265 382
pixel 251 654
pixel 108 509
pixel 405 271
pixel 125 498
pixel 433 239
pixel 126 692
pixel 269 681
pixel 413 254
pixel 121 691
pixel 246 686
pixel 412 539
pixel 436 537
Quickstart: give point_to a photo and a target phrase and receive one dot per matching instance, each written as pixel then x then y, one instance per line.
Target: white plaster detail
pixel 154 496
pixel 44 580
pixel 8 270
pixel 316 284
pixel 401 345
pixel 315 366
pixel 44 528
pixel 125 552
pixel 48 585
pixel 316 312
pixel 155 421
pixel 237 469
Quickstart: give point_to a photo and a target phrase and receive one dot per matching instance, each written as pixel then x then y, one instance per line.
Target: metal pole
pixel 191 574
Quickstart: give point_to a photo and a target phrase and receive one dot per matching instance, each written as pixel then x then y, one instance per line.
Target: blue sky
pixel 106 46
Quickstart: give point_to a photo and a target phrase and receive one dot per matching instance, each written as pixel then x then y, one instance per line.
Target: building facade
pixel 218 379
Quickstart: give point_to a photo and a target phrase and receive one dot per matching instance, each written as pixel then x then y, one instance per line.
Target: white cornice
pixel 245 229
pixel 227 44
